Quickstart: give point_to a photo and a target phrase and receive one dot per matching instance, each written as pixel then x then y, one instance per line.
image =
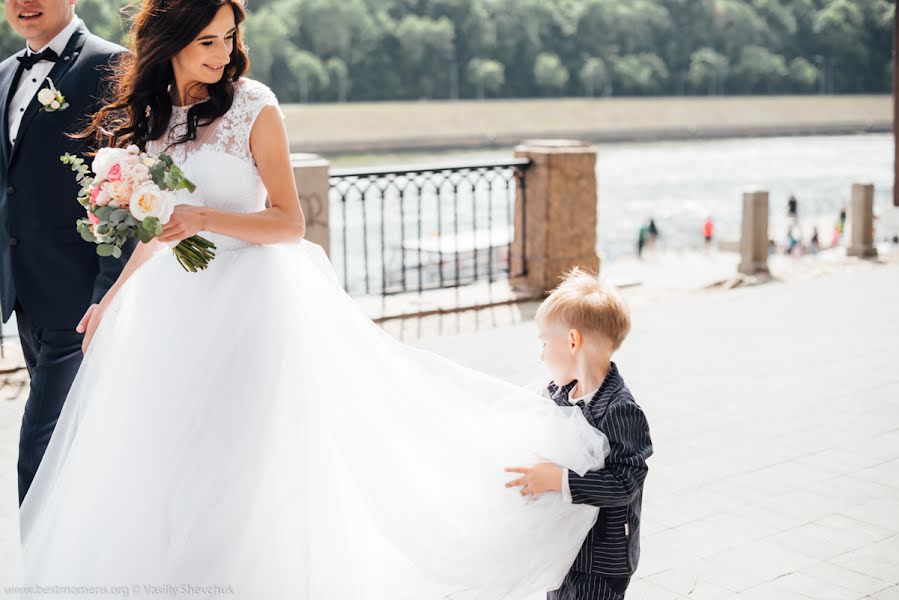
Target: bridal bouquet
pixel 132 194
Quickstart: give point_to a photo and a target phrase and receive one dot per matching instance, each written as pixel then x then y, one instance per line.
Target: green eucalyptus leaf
pixel 118 215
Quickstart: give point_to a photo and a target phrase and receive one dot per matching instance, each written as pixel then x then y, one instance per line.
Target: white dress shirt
pixel 566 489
pixel 33 79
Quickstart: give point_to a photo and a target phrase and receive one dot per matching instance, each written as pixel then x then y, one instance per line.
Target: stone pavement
pixel 775 416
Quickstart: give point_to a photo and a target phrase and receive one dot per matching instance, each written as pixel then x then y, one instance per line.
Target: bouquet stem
pixel 194 253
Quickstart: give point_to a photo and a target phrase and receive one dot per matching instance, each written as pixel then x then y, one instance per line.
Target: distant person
pixel 653 232
pixel 793 241
pixel 793 207
pixel 708 231
pixel 642 239
pixel 838 229
pixel 815 244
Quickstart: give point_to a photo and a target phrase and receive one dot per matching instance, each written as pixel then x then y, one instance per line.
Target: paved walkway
pixel 775 417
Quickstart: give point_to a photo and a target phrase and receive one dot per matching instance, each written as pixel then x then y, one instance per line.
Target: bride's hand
pixel 89 323
pixel 185 222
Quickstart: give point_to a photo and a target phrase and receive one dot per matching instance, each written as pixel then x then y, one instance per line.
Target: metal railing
pixel 424 228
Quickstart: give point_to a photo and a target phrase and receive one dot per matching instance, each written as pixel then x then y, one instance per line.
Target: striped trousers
pixel 586 586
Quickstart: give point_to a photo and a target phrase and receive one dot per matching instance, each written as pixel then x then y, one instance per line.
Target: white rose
pixel 149 201
pixel 46 96
pixel 132 149
pixel 55 105
pixel 136 173
pixel 105 159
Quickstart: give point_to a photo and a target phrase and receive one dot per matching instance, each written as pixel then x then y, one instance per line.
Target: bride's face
pixel 204 59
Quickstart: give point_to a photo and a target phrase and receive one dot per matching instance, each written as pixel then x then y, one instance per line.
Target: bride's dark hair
pixel 141 105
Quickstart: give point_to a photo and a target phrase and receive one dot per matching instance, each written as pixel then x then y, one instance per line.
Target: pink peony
pixel 94 194
pixel 115 172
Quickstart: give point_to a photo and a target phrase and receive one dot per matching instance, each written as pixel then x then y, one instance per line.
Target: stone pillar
pixel 754 236
pixel 312 174
pixel 555 214
pixel 861 219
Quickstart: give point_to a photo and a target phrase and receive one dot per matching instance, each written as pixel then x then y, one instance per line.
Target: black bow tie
pixel 32 58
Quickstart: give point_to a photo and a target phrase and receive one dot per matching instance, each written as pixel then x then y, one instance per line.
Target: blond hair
pixel 583 303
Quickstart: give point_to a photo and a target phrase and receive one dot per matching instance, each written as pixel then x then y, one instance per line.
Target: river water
pixel 680 183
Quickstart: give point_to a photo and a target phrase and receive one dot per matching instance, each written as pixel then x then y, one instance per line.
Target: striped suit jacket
pixel 612 548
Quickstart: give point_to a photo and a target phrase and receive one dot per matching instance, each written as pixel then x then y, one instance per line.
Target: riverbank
pixel 443 125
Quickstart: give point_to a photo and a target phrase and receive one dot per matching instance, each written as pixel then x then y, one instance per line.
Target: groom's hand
pixel 539 479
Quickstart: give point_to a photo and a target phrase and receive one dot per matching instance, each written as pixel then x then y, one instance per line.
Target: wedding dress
pixel 247 432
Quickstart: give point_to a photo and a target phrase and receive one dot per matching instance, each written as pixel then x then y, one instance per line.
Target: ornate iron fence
pixel 422 228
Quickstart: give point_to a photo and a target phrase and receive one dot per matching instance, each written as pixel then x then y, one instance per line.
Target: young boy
pixel 581 324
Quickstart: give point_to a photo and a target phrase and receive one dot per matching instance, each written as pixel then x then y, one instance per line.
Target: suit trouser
pixel 586 586
pixel 52 357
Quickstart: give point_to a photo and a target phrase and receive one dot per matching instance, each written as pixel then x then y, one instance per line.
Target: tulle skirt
pixel 247 432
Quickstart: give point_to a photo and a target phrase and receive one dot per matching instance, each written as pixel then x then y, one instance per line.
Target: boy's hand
pixel 541 478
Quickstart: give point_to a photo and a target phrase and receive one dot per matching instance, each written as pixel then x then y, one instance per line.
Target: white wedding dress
pixel 248 432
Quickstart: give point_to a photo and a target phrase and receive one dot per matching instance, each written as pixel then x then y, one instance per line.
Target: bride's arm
pixel 282 222
pixel 91 319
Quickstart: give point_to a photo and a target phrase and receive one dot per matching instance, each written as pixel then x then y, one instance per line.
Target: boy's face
pixel 559 350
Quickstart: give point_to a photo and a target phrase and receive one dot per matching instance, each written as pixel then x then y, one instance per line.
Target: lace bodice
pixel 219 161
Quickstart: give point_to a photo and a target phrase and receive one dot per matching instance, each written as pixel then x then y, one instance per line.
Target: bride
pixel 246 431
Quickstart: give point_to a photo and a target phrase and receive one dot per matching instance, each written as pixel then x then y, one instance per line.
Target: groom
pixel 48 275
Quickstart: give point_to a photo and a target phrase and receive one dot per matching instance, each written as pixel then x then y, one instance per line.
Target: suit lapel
pixel 8 79
pixel 57 75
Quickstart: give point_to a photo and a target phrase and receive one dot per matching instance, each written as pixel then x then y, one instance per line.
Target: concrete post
pixel 312 174
pixel 754 237
pixel 861 215
pixel 555 214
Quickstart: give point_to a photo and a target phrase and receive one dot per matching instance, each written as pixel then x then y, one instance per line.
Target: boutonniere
pixel 51 99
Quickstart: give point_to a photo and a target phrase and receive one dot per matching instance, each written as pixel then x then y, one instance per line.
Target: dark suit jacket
pixel 612 548
pixel 44 263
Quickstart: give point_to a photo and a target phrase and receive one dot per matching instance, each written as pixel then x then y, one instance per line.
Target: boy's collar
pixel 600 400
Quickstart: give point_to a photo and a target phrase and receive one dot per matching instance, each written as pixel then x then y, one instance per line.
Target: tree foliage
pixel 323 50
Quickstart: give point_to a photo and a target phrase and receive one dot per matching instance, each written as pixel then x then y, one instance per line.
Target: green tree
pixel 550 74
pixel 708 71
pixel 594 76
pixel 640 73
pixel 803 74
pixel 427 50
pixel 487 76
pixel 339 76
pixel 309 73
pixel 266 37
pixel 761 69
pixel 477 34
